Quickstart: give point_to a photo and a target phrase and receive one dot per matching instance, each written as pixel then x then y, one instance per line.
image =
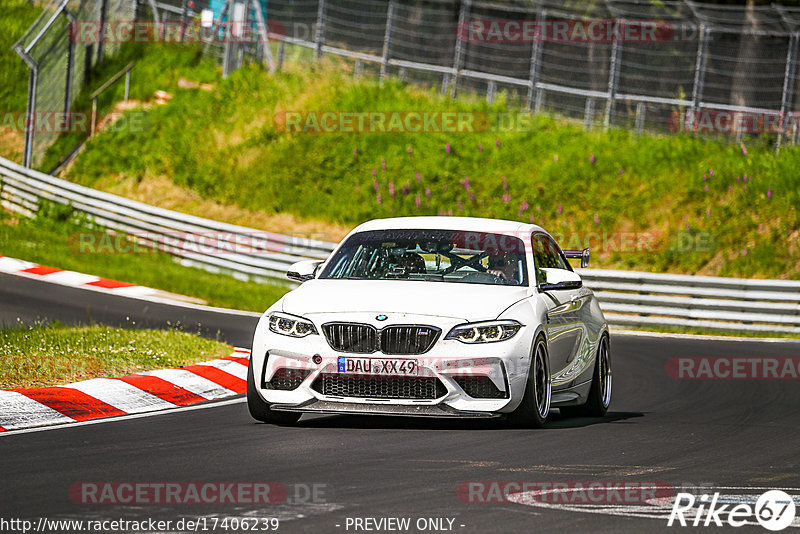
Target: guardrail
pixel 628 298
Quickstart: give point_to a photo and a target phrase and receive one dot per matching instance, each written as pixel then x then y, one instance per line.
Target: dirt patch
pixel 162 192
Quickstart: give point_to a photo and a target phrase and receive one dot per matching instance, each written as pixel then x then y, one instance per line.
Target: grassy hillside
pixel 695 206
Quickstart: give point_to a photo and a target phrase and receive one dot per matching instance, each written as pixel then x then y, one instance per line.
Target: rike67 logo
pixel 774 510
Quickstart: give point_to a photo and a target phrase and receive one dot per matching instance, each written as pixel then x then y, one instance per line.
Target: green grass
pixel 53 240
pixel 45 355
pixel 224 145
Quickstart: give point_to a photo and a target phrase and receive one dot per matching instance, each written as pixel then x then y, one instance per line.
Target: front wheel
pixel 259 409
pixel 532 412
pixel 600 392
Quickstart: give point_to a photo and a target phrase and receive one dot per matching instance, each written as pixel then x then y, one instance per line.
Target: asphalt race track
pixel 737 434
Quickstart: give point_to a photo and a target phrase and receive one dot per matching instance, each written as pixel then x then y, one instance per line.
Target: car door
pixel 565 328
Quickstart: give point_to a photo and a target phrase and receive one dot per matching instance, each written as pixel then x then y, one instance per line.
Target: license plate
pixel 378 366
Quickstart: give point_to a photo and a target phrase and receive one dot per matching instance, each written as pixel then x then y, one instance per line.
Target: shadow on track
pixel 431 423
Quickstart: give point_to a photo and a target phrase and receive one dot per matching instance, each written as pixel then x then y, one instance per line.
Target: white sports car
pixel 434 316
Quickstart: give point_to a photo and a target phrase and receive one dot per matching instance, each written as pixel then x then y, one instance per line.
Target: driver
pixel 503 265
pixel 413 262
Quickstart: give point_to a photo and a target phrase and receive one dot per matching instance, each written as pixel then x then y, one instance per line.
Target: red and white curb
pixel 85 281
pixel 107 397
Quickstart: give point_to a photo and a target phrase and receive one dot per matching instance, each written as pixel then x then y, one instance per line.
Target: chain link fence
pixel 663 66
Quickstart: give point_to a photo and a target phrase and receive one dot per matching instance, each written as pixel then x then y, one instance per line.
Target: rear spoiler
pixel 582 255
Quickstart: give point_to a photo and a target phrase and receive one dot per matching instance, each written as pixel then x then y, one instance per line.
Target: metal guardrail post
pixel 263 32
pixel 70 62
pixel 101 45
pixel 534 97
pixel 281 52
pixel 387 39
pixel 319 38
pixel 30 113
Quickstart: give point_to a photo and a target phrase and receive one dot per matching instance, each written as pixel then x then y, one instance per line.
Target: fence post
pixel 387 39
pixel 613 79
pixel 588 113
pixel 639 122
pixel 788 85
pixel 458 58
pixel 101 44
pixel 70 62
pixel 263 32
pixel 490 91
pixel 184 17
pixel 536 60
pixel 281 52
pixel 320 36
pixel 700 67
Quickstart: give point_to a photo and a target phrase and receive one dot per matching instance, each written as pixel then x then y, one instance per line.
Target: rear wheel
pixel 260 410
pixel 532 412
pixel 600 392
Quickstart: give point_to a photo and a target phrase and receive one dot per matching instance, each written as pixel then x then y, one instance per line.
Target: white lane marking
pixel 20 411
pixel 192 382
pixel 121 395
pixel 229 366
pixel 133 291
pixel 123 417
pixel 70 278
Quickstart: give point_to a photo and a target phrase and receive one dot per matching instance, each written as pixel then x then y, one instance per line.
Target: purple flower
pixel 592 159
pixel 769 193
pixel 444 187
pixel 391 189
pixel 447 148
pixel 410 151
pixel 711 172
pixel 621 171
pixel 505 183
pixel 472 196
pixel 497 142
pixel 730 189
pixel 404 189
pixel 744 150
pixel 378 198
pixel 427 192
pixel 480 147
pixel 706 188
pixel 506 198
pixel 745 252
pixel 465 182
pixel 555 158
pixel 419 177
pixel 686 224
pixel 596 219
pixel 376 185
pixel 738 180
pixel 374 172
pixel 417 201
pixel 355 154
pixel 383 164
pixel 560 209
pixel 460 206
pixel 523 206
pixel 705 177
pixel 708 212
pixel 530 218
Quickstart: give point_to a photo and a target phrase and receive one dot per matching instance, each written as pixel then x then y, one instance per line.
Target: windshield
pixel 431 255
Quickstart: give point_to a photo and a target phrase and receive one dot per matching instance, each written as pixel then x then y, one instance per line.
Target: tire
pixel 599 397
pixel 259 409
pixel 534 408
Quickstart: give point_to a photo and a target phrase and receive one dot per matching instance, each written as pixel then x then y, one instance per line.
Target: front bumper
pixel 500 368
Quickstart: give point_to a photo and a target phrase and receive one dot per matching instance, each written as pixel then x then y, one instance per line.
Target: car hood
pixel 469 302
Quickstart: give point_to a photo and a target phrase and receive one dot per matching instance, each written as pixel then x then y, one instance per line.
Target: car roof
pixel 472 224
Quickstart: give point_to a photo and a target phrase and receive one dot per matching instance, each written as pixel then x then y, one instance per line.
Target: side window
pixel 547 255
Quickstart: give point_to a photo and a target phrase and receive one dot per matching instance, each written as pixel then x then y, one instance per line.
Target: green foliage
pixel 588 187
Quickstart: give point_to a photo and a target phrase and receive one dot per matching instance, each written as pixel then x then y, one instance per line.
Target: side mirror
pixel 555 279
pixel 582 255
pixel 303 271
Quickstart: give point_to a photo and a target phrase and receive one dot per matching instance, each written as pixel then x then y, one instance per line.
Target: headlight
pixel 290 325
pixel 486 332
